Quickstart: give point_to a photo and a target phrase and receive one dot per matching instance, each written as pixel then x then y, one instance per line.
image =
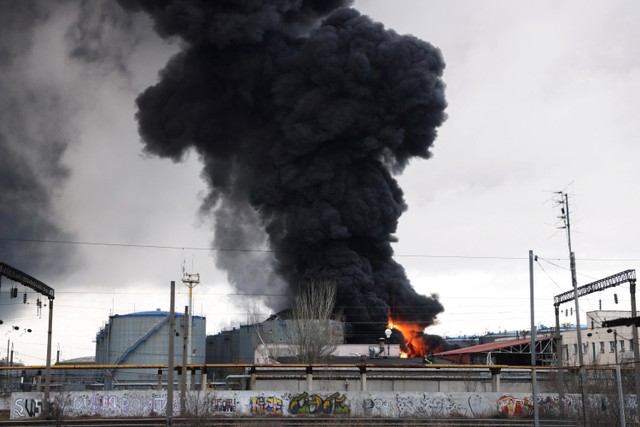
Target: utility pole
pixel 534 381
pixel 191 281
pixel 636 344
pixel 172 325
pixel 574 280
pixel 6 362
pixel 183 378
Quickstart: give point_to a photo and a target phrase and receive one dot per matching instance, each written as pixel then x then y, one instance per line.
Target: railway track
pixel 283 421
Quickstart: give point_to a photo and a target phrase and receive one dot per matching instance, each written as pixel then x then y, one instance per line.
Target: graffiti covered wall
pixel 282 403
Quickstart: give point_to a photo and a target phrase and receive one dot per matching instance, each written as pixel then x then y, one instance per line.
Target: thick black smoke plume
pixel 36 117
pixel 301 111
pixel 31 147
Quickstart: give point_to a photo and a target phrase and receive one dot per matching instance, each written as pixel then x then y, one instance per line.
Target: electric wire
pixel 258 250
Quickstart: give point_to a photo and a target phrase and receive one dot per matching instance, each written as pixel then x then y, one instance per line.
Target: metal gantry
pixel 598 285
pixel 31 282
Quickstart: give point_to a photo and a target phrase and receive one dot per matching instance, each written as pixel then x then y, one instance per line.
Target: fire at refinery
pixel 303 115
pixel 416 342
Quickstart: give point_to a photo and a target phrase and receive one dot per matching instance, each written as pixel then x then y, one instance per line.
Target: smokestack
pixel 302 112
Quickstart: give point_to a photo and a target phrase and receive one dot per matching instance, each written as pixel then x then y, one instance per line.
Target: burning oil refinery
pixel 302 114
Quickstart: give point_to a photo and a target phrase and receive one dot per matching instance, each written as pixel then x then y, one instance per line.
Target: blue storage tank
pixel 143 339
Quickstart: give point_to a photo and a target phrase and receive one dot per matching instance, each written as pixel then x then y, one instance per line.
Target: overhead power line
pixel 214 249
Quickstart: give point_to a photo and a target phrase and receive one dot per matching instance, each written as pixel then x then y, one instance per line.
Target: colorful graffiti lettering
pixel 512 407
pixel 315 404
pixel 266 405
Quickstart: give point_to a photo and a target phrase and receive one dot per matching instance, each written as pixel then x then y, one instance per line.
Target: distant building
pixel 599 343
pixel 74 379
pixel 514 352
pixel 239 345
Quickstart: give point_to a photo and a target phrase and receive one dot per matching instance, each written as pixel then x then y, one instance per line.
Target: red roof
pixel 483 348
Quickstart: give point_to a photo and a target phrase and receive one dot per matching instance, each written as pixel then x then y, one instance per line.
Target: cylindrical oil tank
pixel 143 339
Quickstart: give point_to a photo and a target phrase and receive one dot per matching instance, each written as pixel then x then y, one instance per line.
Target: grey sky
pixel 542 97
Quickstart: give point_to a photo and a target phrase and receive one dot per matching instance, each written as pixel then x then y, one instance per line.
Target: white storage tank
pixel 143 339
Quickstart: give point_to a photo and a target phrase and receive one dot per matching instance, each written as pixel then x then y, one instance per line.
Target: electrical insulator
pixel 571 311
pixel 14 292
pixel 599 304
pixel 566 312
pixel 615 298
pixel 24 298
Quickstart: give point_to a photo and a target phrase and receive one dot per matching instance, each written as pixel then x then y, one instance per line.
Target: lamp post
pixel 387 333
pixel 618 377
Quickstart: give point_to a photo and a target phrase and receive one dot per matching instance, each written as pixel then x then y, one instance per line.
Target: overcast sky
pixel 542 97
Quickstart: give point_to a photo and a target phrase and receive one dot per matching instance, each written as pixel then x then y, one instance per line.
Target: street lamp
pixel 387 333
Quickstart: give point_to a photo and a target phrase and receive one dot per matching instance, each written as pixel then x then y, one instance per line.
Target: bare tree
pixel 315 333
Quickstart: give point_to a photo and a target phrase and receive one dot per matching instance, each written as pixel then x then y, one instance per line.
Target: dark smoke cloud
pixel 37 107
pixel 103 35
pixel 32 143
pixel 302 112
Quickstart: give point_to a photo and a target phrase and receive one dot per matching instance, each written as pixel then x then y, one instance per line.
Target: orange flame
pixel 413 341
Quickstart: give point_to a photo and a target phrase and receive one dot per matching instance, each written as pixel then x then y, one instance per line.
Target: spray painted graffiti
pixel 512 407
pixel 203 404
pixel 120 404
pixel 377 407
pixel 26 408
pixel 222 406
pixel 437 405
pixel 315 404
pixel 131 403
pixel 266 405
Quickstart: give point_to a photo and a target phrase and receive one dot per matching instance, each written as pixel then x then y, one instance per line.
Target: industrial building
pixel 142 339
pixel 601 345
pixel 269 338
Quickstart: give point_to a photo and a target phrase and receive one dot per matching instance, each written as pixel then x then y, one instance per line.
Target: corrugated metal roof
pixel 154 314
pixel 86 360
pixel 483 348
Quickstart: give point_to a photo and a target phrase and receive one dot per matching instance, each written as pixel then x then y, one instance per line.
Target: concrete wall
pixel 284 403
pixel 441 379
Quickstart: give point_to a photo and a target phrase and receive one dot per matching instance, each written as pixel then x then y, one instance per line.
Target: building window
pixel 585 347
pixel 575 349
pixel 612 346
pixel 622 346
pixel 566 351
pixel 601 346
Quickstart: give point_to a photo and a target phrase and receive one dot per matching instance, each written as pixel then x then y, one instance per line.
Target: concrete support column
pixel 254 376
pixel 495 380
pixel 363 378
pixel 159 385
pixel 192 383
pixel 203 381
pixel 39 381
pixel 309 378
